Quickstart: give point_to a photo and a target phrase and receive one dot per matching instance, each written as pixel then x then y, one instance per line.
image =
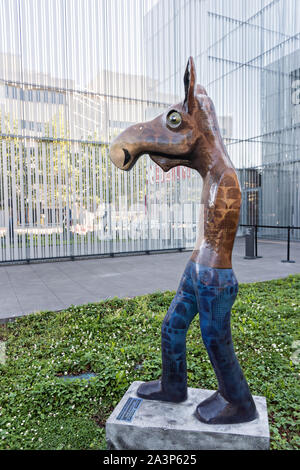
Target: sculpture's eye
pixel 174 119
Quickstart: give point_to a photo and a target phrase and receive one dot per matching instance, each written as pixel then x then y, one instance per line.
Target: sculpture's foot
pixel 153 391
pixel 217 410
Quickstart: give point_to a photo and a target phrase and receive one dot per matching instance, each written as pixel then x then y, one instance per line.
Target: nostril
pixel 127 156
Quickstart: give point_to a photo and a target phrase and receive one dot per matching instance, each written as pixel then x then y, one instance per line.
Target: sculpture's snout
pixel 125 150
pixel 120 156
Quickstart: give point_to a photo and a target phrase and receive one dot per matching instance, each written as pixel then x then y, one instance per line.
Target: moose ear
pixel 189 85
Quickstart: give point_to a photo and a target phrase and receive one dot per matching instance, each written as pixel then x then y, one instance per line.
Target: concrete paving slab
pixel 57 285
pixel 40 307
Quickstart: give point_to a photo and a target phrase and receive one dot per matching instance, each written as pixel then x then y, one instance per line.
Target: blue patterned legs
pixel 211 292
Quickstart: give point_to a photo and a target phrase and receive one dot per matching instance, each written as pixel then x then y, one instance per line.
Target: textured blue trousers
pixel 211 292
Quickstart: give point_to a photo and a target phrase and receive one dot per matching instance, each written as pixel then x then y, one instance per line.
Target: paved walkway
pixel 57 285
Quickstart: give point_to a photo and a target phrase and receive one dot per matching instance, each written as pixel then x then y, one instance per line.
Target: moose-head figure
pixel 188 134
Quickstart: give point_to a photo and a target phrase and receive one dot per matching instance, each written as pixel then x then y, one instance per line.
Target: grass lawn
pixel 119 340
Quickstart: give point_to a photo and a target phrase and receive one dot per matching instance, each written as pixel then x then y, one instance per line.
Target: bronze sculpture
pixel 188 134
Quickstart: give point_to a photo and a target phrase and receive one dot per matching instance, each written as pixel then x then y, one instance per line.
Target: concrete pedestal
pixel 158 425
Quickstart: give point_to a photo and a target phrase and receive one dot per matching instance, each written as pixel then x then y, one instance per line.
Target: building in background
pixel 30 102
pixel 280 134
pixel 74 75
pixel 247 56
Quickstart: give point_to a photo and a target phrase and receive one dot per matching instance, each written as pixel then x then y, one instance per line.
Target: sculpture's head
pixel 186 134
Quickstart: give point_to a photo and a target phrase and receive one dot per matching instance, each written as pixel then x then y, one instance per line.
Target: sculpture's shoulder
pixel 229 194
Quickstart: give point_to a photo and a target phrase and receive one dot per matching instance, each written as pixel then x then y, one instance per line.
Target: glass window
pixel 30 95
pixel 53 97
pixel 46 96
pixel 14 92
